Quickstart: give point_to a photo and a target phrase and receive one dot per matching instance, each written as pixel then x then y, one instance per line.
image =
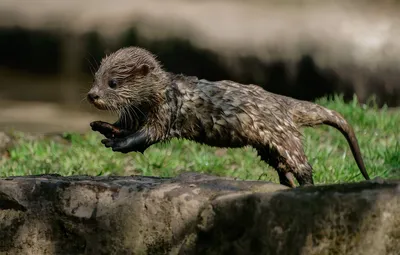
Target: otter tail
pixel 308 114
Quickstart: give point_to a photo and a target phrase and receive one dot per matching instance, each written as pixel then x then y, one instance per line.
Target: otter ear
pixel 145 69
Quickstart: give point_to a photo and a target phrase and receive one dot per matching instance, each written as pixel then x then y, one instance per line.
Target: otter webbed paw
pixel 108 130
pixel 132 143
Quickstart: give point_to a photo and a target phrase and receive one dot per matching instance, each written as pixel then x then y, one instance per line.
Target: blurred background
pixel 304 49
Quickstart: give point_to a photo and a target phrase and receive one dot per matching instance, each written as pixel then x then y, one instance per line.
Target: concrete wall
pixel 304 49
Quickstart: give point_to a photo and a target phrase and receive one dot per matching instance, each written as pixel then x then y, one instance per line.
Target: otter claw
pixel 107 142
pixel 96 125
pixel 135 142
pixel 121 145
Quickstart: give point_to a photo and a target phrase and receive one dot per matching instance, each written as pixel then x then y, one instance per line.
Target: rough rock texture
pixel 195 214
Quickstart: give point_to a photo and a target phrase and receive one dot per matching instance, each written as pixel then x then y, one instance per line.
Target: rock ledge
pixel 195 214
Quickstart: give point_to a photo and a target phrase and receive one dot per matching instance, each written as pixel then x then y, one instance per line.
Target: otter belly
pixel 221 136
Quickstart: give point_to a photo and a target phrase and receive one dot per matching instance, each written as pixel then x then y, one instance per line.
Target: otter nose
pixel 92 96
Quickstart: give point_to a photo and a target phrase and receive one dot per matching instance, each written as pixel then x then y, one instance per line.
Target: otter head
pixel 129 77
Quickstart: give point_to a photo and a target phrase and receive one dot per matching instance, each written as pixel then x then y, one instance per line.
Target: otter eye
pixel 112 83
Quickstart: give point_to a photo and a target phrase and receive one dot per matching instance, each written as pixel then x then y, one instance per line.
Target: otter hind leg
pixel 286 179
pixel 294 160
pixel 271 157
pixel 288 162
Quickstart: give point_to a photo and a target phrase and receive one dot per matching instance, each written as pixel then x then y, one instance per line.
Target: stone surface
pixel 195 214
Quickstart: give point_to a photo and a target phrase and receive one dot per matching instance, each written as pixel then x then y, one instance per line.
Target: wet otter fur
pixel 154 106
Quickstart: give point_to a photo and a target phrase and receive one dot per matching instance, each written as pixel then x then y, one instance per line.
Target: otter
pixel 155 106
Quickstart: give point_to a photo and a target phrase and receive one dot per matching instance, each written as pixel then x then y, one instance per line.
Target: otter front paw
pixel 107 129
pixel 131 143
pixel 121 145
pixel 104 128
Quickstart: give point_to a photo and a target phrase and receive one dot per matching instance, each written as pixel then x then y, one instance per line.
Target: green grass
pixel 377 131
